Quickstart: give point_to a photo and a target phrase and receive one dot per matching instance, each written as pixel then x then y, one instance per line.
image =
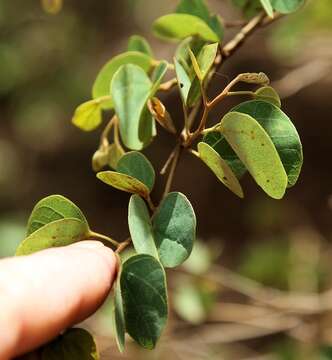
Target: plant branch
pixel 103 238
pixel 123 245
pixel 175 161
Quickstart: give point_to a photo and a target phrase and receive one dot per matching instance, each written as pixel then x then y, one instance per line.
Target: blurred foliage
pixel 313 20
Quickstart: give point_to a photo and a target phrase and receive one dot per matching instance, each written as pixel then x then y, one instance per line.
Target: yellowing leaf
pixel 220 168
pixel 88 116
pixel 124 182
pixel 257 152
pixel 57 233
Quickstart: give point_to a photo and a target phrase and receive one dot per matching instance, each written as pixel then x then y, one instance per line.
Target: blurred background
pixel 222 303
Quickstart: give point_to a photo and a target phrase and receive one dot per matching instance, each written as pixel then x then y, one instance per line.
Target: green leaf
pixel 174 227
pixel 268 94
pixel 287 6
pixel 107 155
pixel 136 165
pixel 218 142
pixel 157 76
pixel 140 227
pixel 124 182
pixel 201 67
pixel 102 84
pixel 257 152
pixel 118 316
pixel 88 116
pixel 143 289
pixel 181 26
pixel 220 168
pixel 130 91
pixel 52 208
pixel 57 233
pixel 183 79
pixel 198 8
pixel 139 43
pixel 74 344
pixel 267 7
pixel 282 133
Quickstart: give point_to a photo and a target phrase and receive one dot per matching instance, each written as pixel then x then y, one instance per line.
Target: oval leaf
pixel 140 227
pixel 88 115
pixel 74 344
pixel 181 26
pixel 143 289
pixel 174 228
pixel 218 142
pixel 268 94
pixel 124 182
pixel 282 133
pixel 198 8
pixel 52 208
pixel 57 233
pixel 136 165
pixel 257 152
pixel 139 43
pixel 130 90
pixel 220 168
pixel 101 86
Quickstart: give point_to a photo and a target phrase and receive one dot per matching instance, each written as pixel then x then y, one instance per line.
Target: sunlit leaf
pixel 218 142
pixel 174 226
pixel 52 208
pixel 257 152
pixel 130 91
pixel 88 116
pixel 140 44
pixel 118 316
pixel 198 8
pixel 102 84
pixel 143 289
pixel 136 165
pixel 287 6
pixel 267 7
pixel 220 168
pixel 268 94
pixel 282 132
pixel 74 344
pixel 180 26
pixel 140 227
pixel 159 112
pixel 123 182
pixel 57 233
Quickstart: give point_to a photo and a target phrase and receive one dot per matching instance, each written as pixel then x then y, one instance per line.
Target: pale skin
pixel 44 293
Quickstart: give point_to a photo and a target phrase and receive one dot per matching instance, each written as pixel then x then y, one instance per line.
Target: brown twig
pixel 123 245
pixel 171 174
